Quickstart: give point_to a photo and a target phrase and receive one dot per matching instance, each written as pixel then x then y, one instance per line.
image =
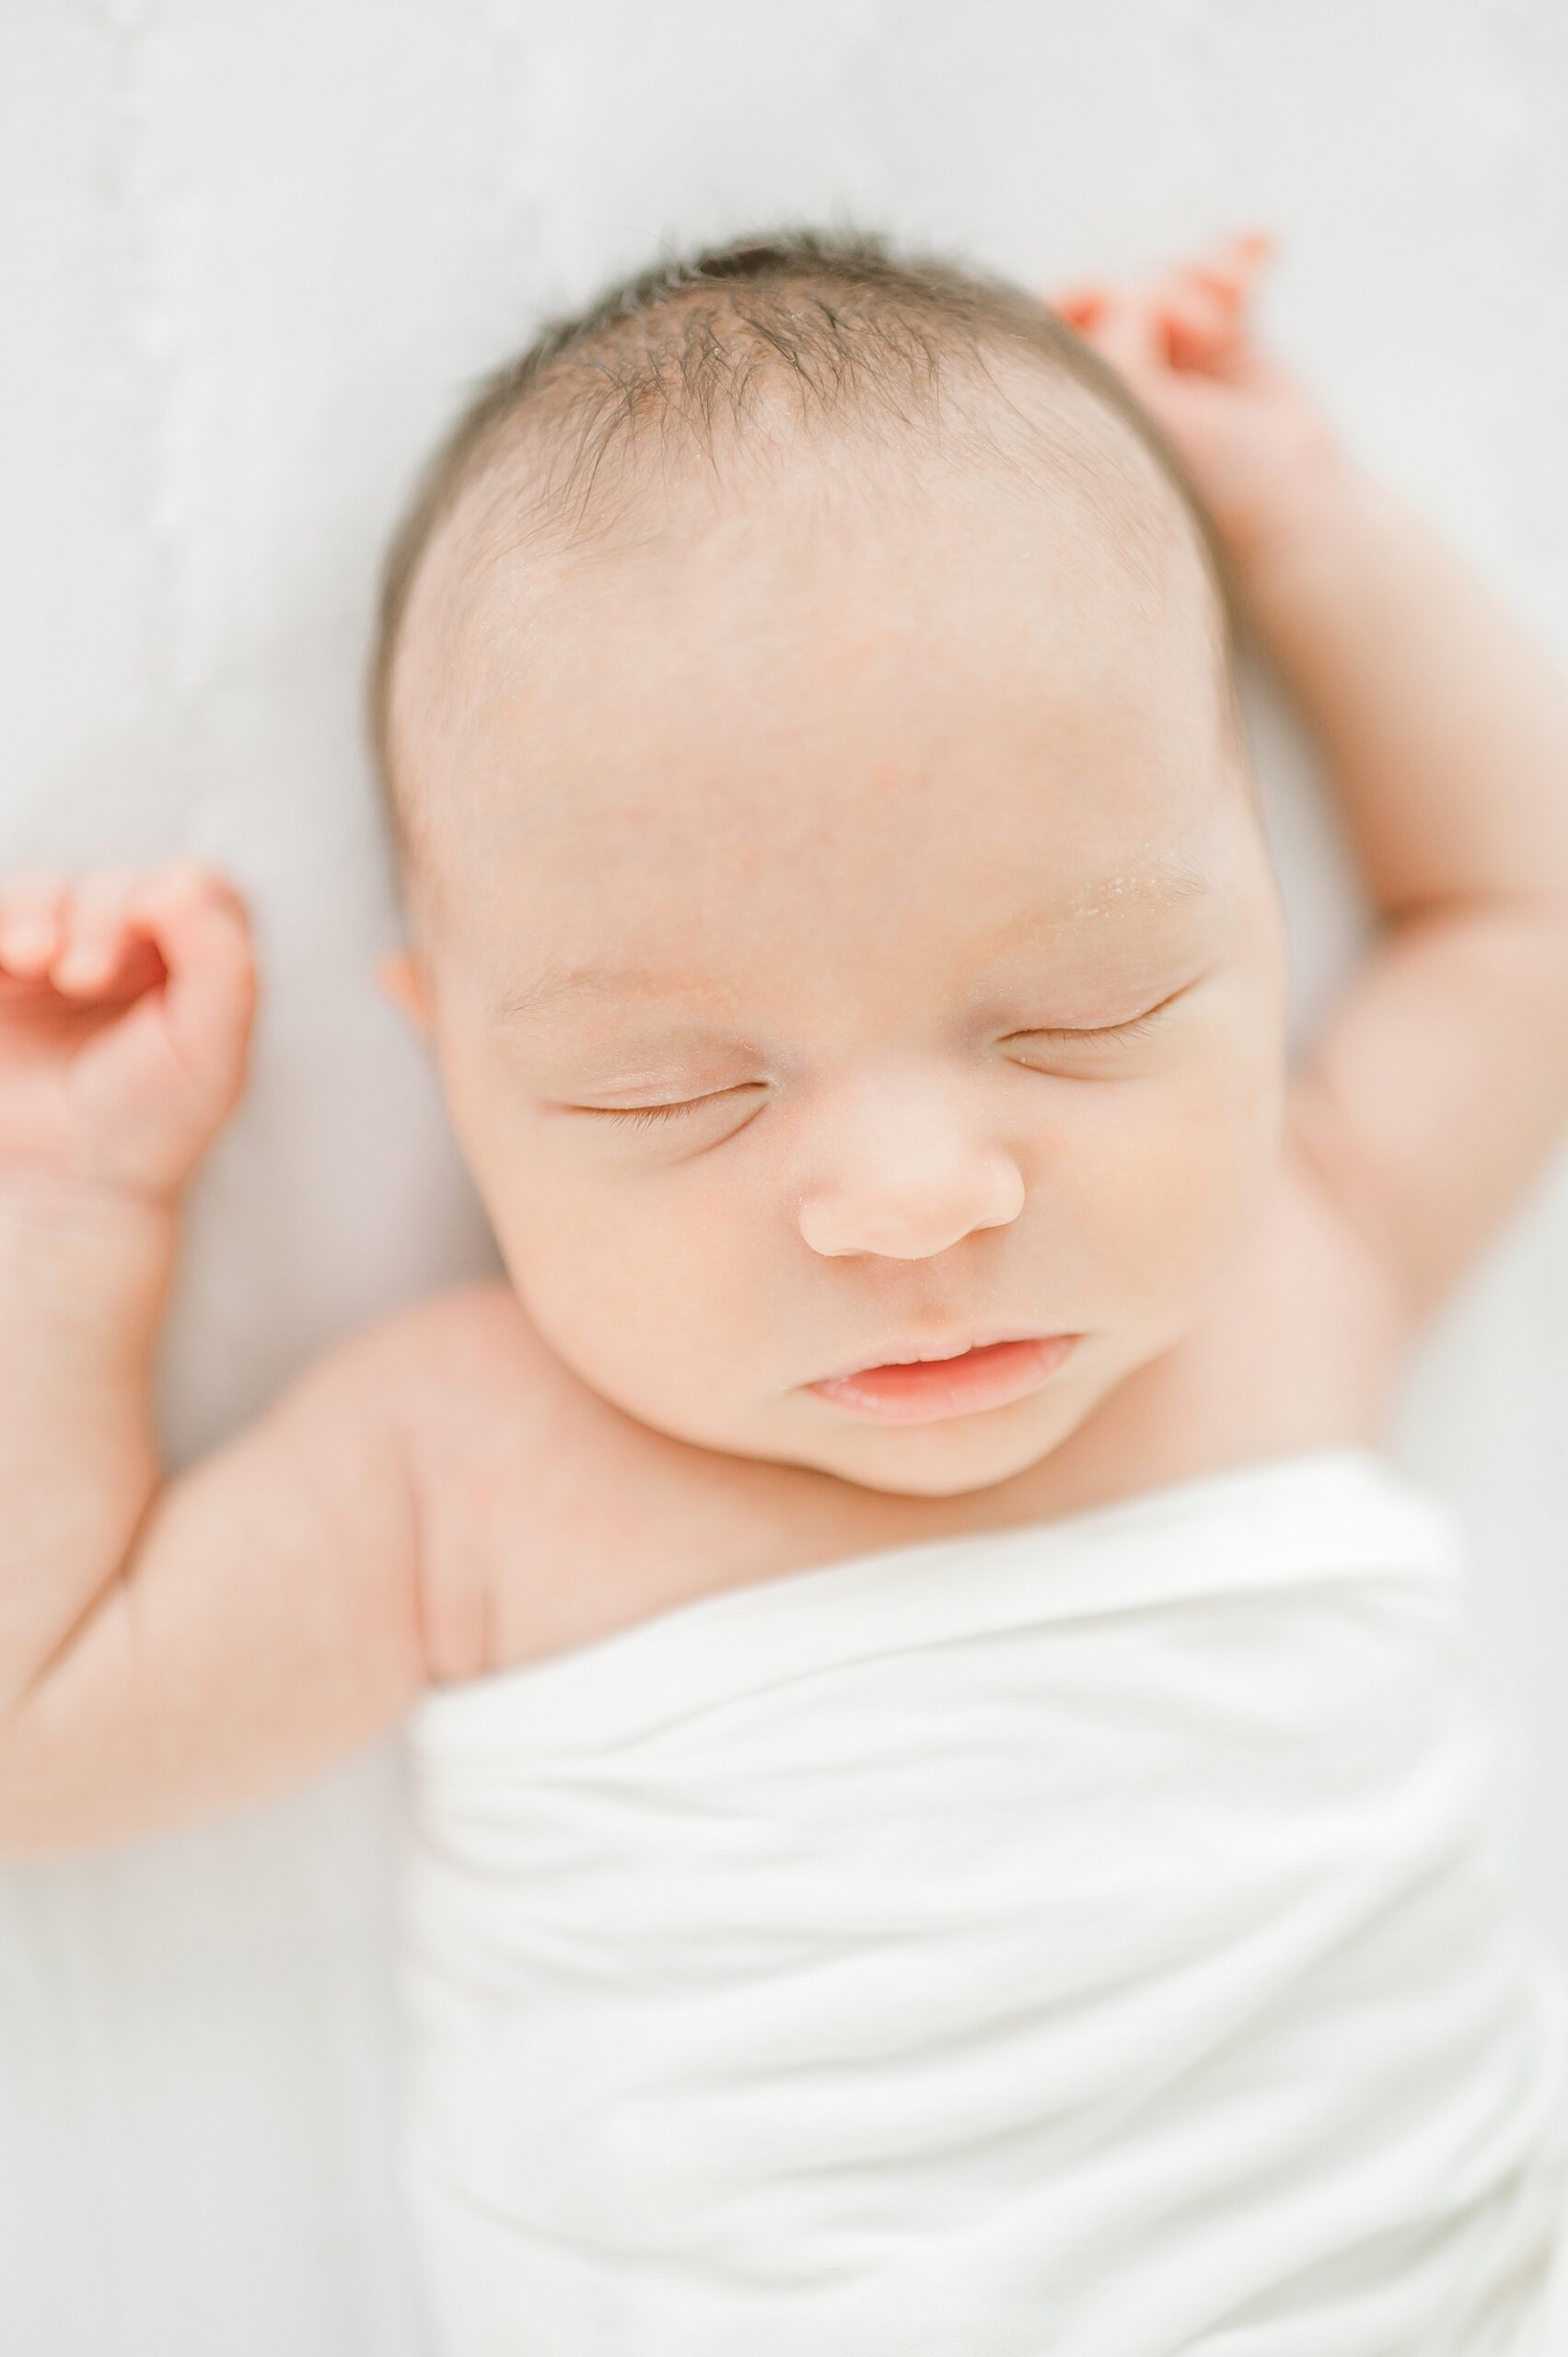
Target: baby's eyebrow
pixel 1149 888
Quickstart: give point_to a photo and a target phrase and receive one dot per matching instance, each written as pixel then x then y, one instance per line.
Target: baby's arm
pixel 1437 1088
pixel 1437 1091
pixel 168 1649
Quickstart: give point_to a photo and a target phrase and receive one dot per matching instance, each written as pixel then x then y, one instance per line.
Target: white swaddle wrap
pixel 1094 1940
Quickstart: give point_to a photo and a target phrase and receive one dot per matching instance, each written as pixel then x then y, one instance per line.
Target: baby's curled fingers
pixel 1201 318
pixel 1231 267
pixel 201 929
pixel 95 931
pixel 1219 278
pixel 1081 304
pixel 31 904
pixel 1126 330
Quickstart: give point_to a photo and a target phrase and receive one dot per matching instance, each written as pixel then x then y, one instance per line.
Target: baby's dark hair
pixel 689 344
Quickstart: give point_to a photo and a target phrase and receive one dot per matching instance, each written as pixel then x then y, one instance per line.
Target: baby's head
pixel 804 703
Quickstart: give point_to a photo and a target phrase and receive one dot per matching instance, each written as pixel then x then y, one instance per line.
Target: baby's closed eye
pixel 1069 1038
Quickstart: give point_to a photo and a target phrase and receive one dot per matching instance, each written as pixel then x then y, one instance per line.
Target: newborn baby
pixel 946 1809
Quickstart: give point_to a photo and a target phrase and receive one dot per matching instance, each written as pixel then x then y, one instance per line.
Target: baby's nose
pixel 913 1212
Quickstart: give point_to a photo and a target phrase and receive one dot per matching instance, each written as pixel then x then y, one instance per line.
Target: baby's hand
pixel 126 999
pixel 1254 440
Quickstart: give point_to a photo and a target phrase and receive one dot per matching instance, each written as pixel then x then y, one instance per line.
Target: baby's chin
pixel 951 1456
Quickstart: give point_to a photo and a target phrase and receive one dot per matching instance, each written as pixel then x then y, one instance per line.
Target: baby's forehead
pixel 954 560
pixel 783 542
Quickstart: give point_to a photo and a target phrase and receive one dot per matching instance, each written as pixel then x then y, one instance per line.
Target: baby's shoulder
pixel 475 1380
pixel 445 1361
pixel 463 1379
pixel 474 1333
pixel 548 1517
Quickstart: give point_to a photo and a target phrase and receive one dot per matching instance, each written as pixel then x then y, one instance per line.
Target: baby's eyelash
pixel 1106 1031
pixel 651 1113
pixel 661 1112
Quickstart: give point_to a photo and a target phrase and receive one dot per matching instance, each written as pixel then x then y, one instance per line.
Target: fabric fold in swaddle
pixel 1101 1938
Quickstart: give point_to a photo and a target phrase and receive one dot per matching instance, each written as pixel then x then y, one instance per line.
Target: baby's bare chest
pixel 551 1519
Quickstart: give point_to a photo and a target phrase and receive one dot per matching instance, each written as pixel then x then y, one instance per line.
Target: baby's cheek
pixel 657 1275
pixel 1173 1191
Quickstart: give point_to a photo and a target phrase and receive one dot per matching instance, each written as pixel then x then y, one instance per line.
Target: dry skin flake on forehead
pixel 1113 888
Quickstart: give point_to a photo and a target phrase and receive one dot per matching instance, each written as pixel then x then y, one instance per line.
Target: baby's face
pixel 777 864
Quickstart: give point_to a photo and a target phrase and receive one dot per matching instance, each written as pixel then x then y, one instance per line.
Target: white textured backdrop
pixel 250 256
